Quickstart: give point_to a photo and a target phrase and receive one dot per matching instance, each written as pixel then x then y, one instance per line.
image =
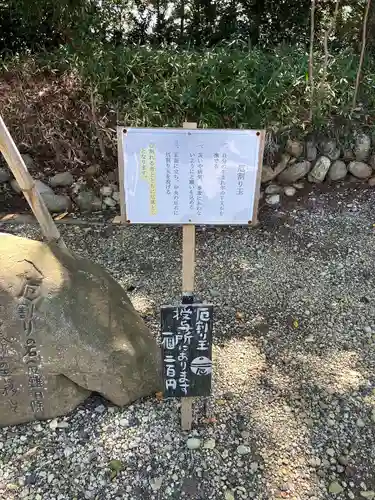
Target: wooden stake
pixel 121 171
pixel 262 138
pixel 19 170
pixel 188 266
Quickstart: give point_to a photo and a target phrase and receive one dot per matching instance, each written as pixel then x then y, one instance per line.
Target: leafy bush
pixel 72 99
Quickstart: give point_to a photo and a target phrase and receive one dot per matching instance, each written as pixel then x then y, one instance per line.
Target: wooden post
pixel 188 266
pixel 262 138
pixel 19 170
pixel 121 172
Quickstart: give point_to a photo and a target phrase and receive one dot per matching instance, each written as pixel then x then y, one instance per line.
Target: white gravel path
pixel 292 413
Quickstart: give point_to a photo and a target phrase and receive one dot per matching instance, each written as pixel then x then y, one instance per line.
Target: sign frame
pixel 121 137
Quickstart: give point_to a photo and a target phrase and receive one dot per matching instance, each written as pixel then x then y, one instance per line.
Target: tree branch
pixel 311 57
pixel 363 48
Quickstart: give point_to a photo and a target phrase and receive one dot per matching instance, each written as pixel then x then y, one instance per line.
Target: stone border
pixel 317 161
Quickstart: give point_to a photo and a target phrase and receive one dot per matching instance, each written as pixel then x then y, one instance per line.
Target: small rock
pixel 329 148
pixel 335 488
pixel 124 422
pixel 40 186
pixel 320 169
pixel 243 450
pixel 245 434
pixel 113 175
pixel 371 182
pixel 290 191
pixel 88 202
pixel 350 471
pixel 273 189
pixel 368 494
pixel 116 196
pixel 229 495
pixel 254 467
pixel 294 148
pixel 57 202
pixel 68 451
pixel 109 202
pixel 38 428
pixel 62 425
pixel 362 147
pixel 227 395
pixel 4 175
pixel 373 416
pixel 330 452
pixel 311 151
pixel 294 172
pixel 53 424
pixel 92 170
pixel 209 444
pixel 360 423
pixel 273 199
pixel 314 462
pixel 29 162
pixel 337 171
pixel 156 483
pixel 106 190
pixel 193 443
pixel 50 478
pixel 62 179
pixel 299 185
pixel 100 409
pixel 359 169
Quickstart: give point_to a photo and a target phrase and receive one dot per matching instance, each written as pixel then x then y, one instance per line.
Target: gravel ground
pixel 292 414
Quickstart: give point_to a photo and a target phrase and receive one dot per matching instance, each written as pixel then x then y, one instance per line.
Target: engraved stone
pixel 66 329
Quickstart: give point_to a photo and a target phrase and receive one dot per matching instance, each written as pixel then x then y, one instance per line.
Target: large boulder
pixel 269 173
pixel 359 169
pixel 329 148
pixel 294 148
pixel 362 147
pixel 67 328
pixel 337 171
pixel 294 172
pixel 320 169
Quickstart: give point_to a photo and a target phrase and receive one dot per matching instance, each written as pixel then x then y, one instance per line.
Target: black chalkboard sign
pixel 186 334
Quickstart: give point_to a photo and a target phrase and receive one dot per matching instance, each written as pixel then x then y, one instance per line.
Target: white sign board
pixel 182 176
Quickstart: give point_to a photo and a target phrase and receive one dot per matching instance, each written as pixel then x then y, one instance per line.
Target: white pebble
pixel 106 190
pixel 53 424
pixel 209 444
pixel 243 450
pixel 110 202
pixel 274 199
pixel 62 425
pixel 193 443
pixel 289 191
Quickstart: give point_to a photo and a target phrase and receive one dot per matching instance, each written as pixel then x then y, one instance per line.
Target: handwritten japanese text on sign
pixel 180 176
pixel 186 332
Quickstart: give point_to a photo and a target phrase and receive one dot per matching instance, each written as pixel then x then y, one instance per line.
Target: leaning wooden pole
pixel 17 166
